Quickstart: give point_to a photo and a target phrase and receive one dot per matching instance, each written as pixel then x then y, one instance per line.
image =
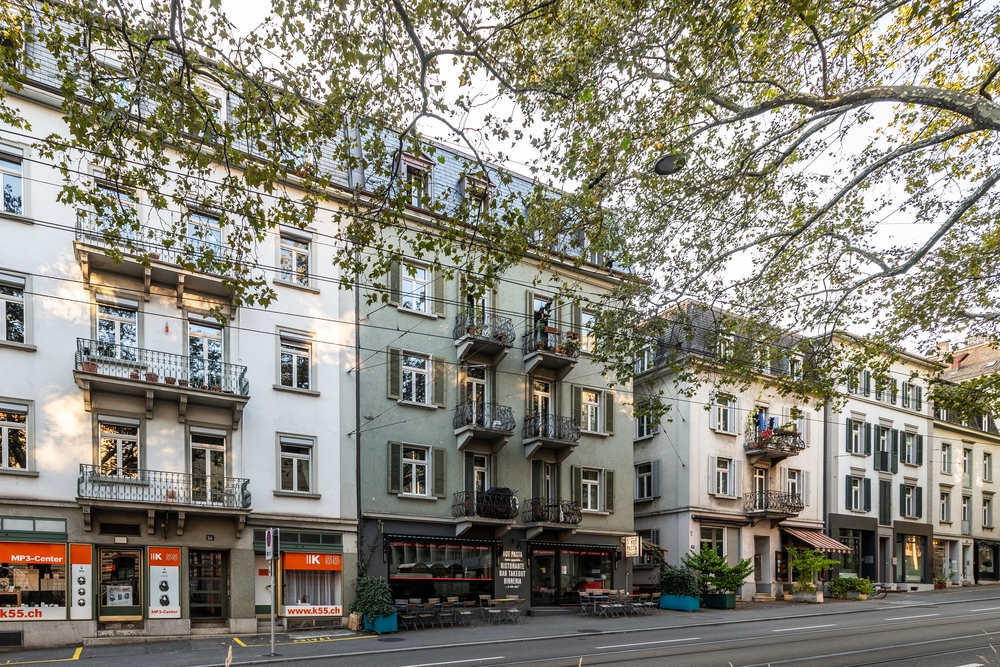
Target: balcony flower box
pixel 183 383
pixel 550 330
pixel 719 600
pixel 170 380
pixel 154 255
pixel 134 375
pixel 152 377
pixel 680 602
pixel 88 366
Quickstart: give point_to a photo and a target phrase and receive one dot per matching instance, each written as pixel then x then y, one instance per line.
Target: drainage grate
pixel 12 639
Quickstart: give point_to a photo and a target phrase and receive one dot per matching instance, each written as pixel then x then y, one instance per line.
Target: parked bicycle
pixel 879 591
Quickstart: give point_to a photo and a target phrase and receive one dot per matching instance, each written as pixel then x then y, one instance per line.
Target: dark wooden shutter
pixel 904 393
pixel 918 398
pixel 470 472
pixel 395 467
pixel 576 322
pixel 577 414
pixel 494 470
pixel 395 288
pixel 576 484
pixel 609 412
pixel 894 453
pixel 919 500
pixel 847 493
pixel 806 490
pixel 919 444
pixel 893 391
pixel 394 373
pixel 849 441
pixel 439 304
pixel 529 302
pixel 440 472
pixel 868 383
pixel 439 371
pixel 537 478
pixel 557 479
pixel 609 490
pixel 655 465
pixel 902 499
pixel 868 438
pixel 868 494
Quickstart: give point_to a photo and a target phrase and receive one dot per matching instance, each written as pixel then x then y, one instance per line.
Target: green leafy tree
pixel 806 563
pixel 715 574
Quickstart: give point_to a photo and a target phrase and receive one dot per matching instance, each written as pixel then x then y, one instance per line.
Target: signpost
pixel 271 552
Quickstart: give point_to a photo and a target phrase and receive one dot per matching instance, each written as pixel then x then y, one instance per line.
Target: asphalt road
pixel 919 630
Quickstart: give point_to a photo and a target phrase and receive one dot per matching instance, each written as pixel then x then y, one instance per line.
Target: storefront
pixel 440 567
pixel 985 566
pixel 33 581
pixel 911 558
pixel 309 575
pixel 560 572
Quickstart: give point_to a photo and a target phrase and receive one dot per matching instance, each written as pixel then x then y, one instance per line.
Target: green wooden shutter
pixel 868 383
pixel 439 304
pixel 847 493
pixel 438 380
pixel 395 288
pixel 904 394
pixel 919 444
pixel 609 412
pixel 440 472
pixel 868 494
pixel 470 472
pixel 394 372
pixel 537 477
pixel 894 391
pixel 918 398
pixel 577 413
pixel 902 499
pixel 894 453
pixel 529 320
pixel 609 490
pixel 557 480
pixel 577 319
pixel 656 477
pixel 576 484
pixel 868 440
pixel 849 441
pixel 919 500
pixel 494 470
pixel 395 467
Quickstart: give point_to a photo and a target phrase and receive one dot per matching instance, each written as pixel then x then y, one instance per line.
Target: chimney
pixel 943 347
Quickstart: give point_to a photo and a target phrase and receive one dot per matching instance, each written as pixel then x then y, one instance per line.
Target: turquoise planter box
pixel 720 600
pixel 679 602
pixel 382 624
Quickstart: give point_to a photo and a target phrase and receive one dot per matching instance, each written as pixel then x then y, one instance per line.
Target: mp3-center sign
pixel 164 582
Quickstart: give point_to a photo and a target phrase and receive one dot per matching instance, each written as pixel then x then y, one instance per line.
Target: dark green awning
pixel 431 538
pixel 566 545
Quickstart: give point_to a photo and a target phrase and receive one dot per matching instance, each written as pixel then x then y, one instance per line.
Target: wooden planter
pixel 680 602
pixel 719 600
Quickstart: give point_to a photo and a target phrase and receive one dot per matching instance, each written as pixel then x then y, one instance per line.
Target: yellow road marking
pixel 310 640
pixel 76 656
pixel 237 640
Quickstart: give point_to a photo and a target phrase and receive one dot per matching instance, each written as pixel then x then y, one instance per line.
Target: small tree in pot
pixel 806 564
pixel 679 588
pixel 374 603
pixel 719 581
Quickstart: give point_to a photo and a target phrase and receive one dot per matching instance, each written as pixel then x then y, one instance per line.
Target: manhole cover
pixel 390 639
pixel 590 630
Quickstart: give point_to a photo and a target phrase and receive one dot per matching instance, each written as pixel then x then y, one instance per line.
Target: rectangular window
pixel 294 260
pixel 587 338
pixel 119 204
pixel 793 482
pixel 909 500
pixel 208 468
pixel 644 481
pixel 415 285
pixel 117 332
pixel 13 436
pixel 724 348
pixel 10 178
pixel 645 361
pixel 417 182
pixel 12 308
pixel 857 438
pixel 591 411
pixel 967 468
pixel 987 467
pixel 852 380
pixel 793 368
pixel 204 235
pixel 713 538
pixel 591 489
pixel 946 506
pixel 295 364
pixel 857 494
pixel 909 449
pixel 946 459
pixel 988 512
pixel 725 414
pixel 645 426
pixel 416 370
pixel 966 508
pixel 296 464
pixel 119 448
pixel 205 355
pixel 723 477
pixel 415 466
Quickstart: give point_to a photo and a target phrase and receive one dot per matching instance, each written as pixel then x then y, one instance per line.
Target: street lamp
pixel 669 164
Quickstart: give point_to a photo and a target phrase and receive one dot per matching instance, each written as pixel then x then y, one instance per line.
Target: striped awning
pixel 821 541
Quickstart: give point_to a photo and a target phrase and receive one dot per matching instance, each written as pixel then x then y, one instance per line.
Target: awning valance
pixel 820 541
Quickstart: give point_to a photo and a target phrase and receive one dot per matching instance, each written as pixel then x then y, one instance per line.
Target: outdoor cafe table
pixel 503 603
pixel 594 600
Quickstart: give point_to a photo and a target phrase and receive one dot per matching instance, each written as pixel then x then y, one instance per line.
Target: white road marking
pixel 455 662
pixel 808 627
pixel 972 664
pixel 987 609
pixel 906 618
pixel 664 641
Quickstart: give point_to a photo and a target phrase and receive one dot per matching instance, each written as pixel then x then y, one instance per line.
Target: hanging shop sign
pixel 81 582
pixel 322 562
pixel 164 582
pixel 632 546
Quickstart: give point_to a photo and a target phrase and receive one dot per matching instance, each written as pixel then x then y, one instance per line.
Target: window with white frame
pixel 415 378
pixel 121 203
pixel 946 505
pixel 987 467
pixel 857 437
pixel 852 380
pixel 12 308
pixel 417 185
pixel 13 436
pixel 725 414
pixel 987 511
pixel 415 470
pixel 793 367
pixel 646 426
pixel 645 360
pixel 204 235
pixel 966 508
pixel 857 493
pixel 118 447
pixel 587 339
pixel 591 489
pixel 946 458
pixel 294 259
pixel 723 477
pixel 295 363
pixel 724 348
pixel 117 331
pixel 415 283
pixel 11 180
pixel 590 415
pixel 794 482
pixel 296 464
pixel 644 481
pixel 206 352
pixel 909 454
pixel 909 504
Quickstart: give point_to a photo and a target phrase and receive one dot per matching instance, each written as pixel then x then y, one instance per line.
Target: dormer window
pixel 415 173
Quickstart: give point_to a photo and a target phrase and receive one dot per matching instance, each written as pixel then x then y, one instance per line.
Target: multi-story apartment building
pixel 146 444
pixel 966 544
pixel 879 454
pixel 740 471
pixel 495 456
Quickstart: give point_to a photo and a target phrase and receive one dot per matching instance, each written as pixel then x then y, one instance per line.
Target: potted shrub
pixel 374 602
pixel 718 580
pixel 679 588
pixel 806 564
pixel 152 377
pixel 940 582
pixel 850 588
pixel 182 383
pixel 134 375
pixel 170 380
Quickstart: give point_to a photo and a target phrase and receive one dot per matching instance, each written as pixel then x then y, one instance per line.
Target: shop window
pixel 32 581
pixel 121 583
pixel 713 538
pixel 850 563
pixel 296 464
pixel 911 552
pixel 13 436
pixel 433 569
pixel 12 308
pixel 312 584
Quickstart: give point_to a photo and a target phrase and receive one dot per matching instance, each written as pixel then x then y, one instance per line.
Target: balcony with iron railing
pixel 774 505
pixel 545 347
pixel 486 333
pixel 496 503
pixel 484 423
pixel 177 493
pixel 773 445
pixel 552 432
pixel 175 259
pixel 551 510
pixel 154 375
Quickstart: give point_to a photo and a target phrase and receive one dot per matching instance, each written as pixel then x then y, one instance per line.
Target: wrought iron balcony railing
pixel 776 440
pixel 486 325
pixel 551 427
pixel 551 510
pixel 193 254
pixel 491 416
pixel 773 501
pixel 548 340
pixel 135 485
pixel 136 363
pixel 490 504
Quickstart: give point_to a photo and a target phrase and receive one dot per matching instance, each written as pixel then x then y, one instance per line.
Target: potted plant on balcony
pixel 806 564
pixel 134 375
pixel 718 580
pixel 182 382
pixel 170 380
pixel 152 377
pixel 678 586
pixel 374 603
pixel 88 366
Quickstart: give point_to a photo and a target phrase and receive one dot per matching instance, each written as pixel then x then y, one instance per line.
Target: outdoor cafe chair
pixel 515 610
pixel 465 613
pixel 447 613
pixel 495 612
pixel 484 603
pixel 426 614
pixel 409 617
